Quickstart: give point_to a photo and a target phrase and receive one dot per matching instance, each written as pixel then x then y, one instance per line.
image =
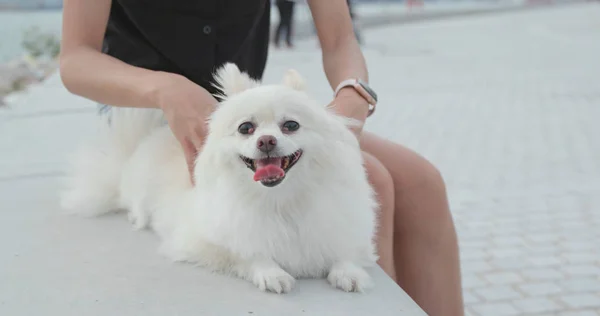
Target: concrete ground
pixel 506 106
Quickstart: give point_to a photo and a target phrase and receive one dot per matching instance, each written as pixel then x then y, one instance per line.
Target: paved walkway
pixel 506 106
pixel 385 13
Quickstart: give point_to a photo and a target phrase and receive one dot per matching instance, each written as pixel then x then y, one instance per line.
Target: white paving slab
pixel 52 264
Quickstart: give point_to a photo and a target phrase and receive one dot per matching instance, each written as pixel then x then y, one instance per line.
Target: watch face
pixel 368 89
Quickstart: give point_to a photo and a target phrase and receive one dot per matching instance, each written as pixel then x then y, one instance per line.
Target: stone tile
pixel 469 298
pixel 584 300
pixel 582 270
pixel 542 274
pixel 507 252
pixel 495 309
pixel 508 264
pixel 476 266
pixel 508 241
pixel 579 245
pixel 473 254
pixel 498 278
pixel 542 250
pixel 541 238
pixel 544 261
pixel 536 305
pixel 496 293
pixel 474 244
pixel 579 313
pixel 472 281
pixel 540 288
pixel 581 257
pixel 469 312
pixel 580 284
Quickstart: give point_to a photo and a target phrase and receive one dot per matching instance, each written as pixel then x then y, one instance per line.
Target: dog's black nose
pixel 266 143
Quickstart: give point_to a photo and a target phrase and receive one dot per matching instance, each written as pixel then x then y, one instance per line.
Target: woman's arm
pixel 342 57
pixel 89 73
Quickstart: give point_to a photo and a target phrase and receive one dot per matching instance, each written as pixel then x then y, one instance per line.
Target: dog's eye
pixel 290 126
pixel 246 128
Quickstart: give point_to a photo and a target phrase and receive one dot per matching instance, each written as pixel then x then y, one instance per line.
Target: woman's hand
pixel 351 104
pixel 187 107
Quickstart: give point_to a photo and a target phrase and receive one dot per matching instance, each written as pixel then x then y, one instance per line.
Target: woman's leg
pixel 285 16
pixel 290 24
pixel 280 26
pixel 381 180
pixel 425 243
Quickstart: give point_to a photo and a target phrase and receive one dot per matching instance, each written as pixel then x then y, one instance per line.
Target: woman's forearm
pixel 93 75
pixel 344 60
pixel 342 57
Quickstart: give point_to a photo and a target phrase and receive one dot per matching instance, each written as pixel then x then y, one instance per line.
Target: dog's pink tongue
pixel 269 168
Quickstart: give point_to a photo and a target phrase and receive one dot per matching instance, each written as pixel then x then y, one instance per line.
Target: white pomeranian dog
pixel 280 190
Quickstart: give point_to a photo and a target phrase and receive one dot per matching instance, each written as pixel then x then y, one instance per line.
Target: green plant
pixel 19 85
pixel 38 43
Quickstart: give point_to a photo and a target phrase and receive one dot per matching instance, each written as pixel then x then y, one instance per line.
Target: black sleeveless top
pixel 190 37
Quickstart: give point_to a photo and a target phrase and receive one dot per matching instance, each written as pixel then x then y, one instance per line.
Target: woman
pixel 161 54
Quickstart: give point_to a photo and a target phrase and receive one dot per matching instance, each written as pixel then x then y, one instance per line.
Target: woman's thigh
pixel 407 168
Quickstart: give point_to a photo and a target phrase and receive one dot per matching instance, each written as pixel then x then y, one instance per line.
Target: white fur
pixel 319 222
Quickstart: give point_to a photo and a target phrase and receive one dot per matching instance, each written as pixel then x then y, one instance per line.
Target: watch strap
pixel 356 84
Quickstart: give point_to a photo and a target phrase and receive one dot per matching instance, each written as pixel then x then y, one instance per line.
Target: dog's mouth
pixel 271 171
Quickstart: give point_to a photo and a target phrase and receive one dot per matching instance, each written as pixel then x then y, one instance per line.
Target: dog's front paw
pixel 349 277
pixel 273 279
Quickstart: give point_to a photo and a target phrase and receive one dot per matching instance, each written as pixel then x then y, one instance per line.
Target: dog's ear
pixel 229 80
pixel 293 79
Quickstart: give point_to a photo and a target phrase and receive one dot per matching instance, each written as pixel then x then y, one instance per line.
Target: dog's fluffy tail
pixel 94 180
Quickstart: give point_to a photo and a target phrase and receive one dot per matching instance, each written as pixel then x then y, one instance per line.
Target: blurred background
pixel 503 96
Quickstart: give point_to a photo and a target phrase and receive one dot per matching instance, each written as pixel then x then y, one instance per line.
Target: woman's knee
pixel 423 189
pixel 418 184
pixel 383 185
pixel 424 176
pixel 379 177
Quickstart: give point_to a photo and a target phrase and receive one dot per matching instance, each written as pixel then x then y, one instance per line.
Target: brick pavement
pixel 507 107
